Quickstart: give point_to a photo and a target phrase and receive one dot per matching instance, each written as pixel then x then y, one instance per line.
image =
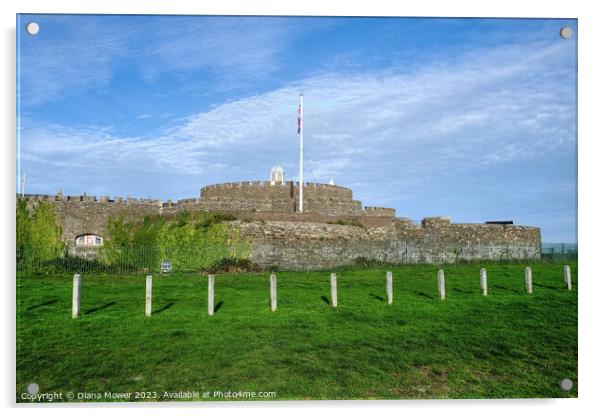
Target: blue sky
pixel 472 118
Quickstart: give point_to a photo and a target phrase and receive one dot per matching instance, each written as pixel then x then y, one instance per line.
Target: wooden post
pixel 273 298
pixel 441 284
pixel 528 280
pixel 333 289
pixel 484 281
pixel 210 295
pixel 389 287
pixel 148 310
pixel 567 277
pixel 77 282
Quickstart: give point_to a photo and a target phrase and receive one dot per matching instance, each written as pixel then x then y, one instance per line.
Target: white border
pixel 590 72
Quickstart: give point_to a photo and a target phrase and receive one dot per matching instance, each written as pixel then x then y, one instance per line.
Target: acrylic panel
pixel 295 208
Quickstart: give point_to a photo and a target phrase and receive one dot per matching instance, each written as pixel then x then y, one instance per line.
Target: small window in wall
pixel 88 240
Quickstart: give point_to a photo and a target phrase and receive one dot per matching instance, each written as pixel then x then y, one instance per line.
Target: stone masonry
pixel 298 245
pixel 333 230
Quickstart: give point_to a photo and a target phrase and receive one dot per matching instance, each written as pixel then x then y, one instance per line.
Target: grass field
pixel 506 345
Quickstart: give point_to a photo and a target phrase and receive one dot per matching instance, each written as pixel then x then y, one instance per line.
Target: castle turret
pixel 277 175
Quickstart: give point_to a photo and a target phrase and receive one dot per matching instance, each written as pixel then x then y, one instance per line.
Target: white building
pixel 277 175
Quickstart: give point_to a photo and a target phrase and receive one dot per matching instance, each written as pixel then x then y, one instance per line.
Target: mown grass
pixel 506 345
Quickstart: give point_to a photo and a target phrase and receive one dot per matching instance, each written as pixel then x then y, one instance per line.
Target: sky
pixel 471 118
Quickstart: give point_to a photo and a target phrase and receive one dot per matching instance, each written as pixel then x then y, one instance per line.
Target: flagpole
pixel 300 152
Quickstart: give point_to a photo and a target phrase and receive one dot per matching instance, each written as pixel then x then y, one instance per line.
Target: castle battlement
pixel 334 229
pixel 90 198
pixel 246 196
pixel 269 184
pixel 258 196
pixel 379 211
pixel 250 196
pixel 436 222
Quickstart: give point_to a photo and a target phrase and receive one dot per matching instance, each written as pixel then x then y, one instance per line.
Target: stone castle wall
pixel 306 246
pixel 86 214
pixel 341 234
pixel 281 197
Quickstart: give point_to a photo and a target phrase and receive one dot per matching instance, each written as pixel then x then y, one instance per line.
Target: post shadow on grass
pixel 380 298
pixel 99 308
pixel 505 288
pixel 218 306
pixel 467 292
pixel 546 286
pixel 164 308
pixel 40 305
pixel 426 295
pixel 325 299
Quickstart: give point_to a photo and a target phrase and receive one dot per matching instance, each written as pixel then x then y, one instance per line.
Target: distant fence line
pixel 228 259
pixel 559 249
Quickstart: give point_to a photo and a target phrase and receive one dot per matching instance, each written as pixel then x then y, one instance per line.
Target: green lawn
pixel 506 345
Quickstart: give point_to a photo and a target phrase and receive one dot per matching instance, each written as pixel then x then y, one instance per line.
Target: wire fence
pixel 559 251
pixel 135 260
pixel 234 258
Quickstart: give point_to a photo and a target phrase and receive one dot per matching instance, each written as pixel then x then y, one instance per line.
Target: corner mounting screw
pixel 566 32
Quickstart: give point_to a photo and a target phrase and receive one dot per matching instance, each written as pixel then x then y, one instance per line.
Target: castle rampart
pixel 316 246
pixel 333 230
pixel 279 197
pixel 85 214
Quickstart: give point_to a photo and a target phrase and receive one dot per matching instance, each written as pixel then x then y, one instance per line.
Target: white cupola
pixel 277 175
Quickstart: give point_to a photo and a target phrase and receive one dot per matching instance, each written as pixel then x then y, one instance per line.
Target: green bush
pixel 192 242
pixel 38 235
pixel 189 241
